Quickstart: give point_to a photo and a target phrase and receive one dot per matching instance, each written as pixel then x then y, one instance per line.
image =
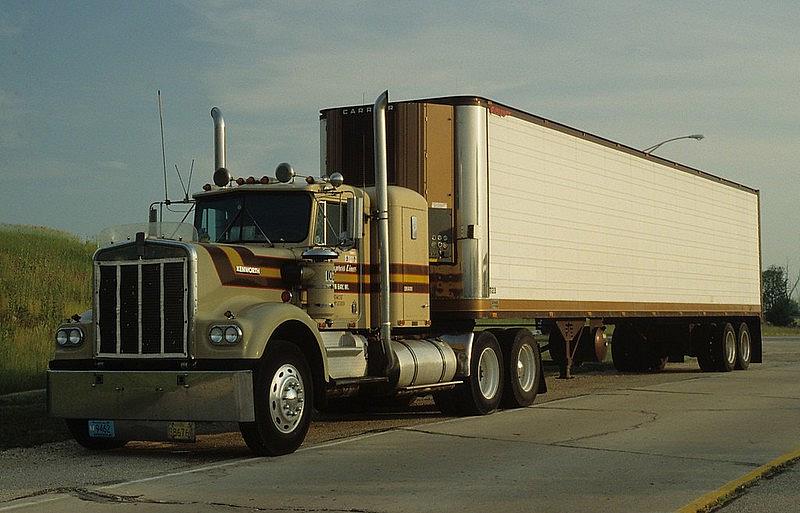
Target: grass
pixel 779 331
pixel 45 277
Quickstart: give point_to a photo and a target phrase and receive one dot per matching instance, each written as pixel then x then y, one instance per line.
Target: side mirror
pixel 355 219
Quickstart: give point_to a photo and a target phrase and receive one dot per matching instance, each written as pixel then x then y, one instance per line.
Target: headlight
pixel 62 337
pixel 233 334
pixel 225 333
pixel 69 337
pixel 216 335
pixel 75 337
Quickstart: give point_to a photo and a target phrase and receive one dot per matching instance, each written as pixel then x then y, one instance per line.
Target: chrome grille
pixel 142 308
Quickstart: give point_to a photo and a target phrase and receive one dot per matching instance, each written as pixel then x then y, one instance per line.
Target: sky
pixel 79 125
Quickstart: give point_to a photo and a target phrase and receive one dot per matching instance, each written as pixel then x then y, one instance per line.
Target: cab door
pixel 348 284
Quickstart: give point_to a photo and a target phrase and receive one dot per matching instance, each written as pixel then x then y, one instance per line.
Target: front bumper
pixel 151 395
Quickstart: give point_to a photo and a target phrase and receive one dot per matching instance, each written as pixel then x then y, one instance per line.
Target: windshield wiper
pixel 228 227
pixel 255 223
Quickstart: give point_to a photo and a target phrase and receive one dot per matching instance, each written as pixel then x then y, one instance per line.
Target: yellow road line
pixel 719 495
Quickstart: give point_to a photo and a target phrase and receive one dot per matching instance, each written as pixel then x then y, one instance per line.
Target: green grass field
pixel 45 277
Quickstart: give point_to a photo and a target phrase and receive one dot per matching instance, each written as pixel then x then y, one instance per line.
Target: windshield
pixel 257 217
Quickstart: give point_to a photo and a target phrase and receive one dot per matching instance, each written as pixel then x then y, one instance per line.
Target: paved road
pixel 780 492
pixel 607 442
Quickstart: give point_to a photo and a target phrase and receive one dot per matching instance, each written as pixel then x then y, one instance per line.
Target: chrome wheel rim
pixel 744 346
pixel 526 368
pixel 730 347
pixel 286 398
pixel 488 373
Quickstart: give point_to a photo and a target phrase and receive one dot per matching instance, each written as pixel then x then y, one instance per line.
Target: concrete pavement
pixel 654 448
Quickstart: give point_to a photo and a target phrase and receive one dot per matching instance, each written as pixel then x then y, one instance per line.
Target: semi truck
pixel 440 234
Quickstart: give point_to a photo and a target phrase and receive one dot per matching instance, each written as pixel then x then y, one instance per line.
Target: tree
pixel 779 307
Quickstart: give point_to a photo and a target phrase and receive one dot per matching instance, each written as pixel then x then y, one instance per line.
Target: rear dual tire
pixel 720 348
pixel 483 390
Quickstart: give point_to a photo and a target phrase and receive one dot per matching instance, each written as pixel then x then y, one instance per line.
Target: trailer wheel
pixel 723 343
pixel 743 347
pixel 716 347
pixel 633 351
pixel 523 368
pixel 79 429
pixel 283 400
pixel 623 348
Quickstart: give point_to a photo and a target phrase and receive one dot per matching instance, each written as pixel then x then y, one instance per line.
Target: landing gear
pixel 283 395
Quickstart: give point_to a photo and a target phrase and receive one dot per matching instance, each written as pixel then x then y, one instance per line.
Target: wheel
pixel 743 347
pixel 481 393
pixel 79 429
pixel 700 340
pixel 283 400
pixel 523 368
pixel 635 351
pixel 716 347
pixel 723 343
pixel 623 348
pixel 447 402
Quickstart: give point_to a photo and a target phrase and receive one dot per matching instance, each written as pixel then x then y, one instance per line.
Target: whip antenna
pixel 163 151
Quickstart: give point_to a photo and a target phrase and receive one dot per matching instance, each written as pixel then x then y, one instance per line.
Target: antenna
pixel 163 151
pixel 185 192
pixel 189 182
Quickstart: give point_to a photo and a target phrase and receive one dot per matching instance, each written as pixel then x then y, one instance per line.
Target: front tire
pixel 283 400
pixel 79 429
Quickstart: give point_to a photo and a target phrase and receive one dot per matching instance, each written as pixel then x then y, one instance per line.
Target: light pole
pixel 653 148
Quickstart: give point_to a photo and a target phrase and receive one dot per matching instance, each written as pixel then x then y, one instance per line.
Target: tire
pixel 634 351
pixel 79 429
pixel 523 368
pixel 743 347
pixel 283 396
pixel 447 403
pixel 716 351
pixel 623 348
pixel 481 392
pixel 701 344
pixel 723 343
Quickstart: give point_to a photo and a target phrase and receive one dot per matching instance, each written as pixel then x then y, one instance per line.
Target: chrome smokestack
pixel 382 215
pixel 221 175
pixel 219 138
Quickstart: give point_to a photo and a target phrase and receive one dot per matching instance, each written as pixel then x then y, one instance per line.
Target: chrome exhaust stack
pixel 222 176
pixel 382 217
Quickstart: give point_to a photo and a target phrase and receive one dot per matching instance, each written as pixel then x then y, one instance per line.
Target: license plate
pixel 101 428
pixel 181 431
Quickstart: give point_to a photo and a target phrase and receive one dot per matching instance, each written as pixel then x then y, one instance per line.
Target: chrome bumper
pixel 151 395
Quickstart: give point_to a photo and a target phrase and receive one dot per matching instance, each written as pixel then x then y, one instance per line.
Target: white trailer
pixel 543 223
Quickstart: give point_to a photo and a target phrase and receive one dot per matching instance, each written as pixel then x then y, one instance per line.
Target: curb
pixel 734 488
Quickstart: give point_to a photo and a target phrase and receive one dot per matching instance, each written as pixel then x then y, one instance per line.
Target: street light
pixel 653 148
